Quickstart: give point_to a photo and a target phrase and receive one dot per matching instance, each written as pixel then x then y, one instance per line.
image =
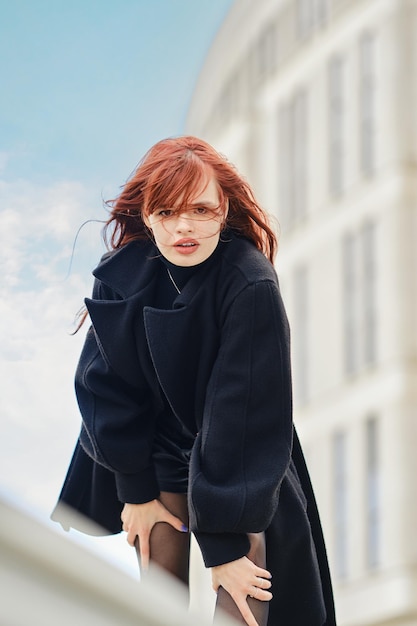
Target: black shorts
pixel 171 454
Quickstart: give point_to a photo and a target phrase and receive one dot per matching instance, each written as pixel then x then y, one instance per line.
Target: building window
pixel 228 104
pixel 293 159
pixel 305 18
pixel 350 303
pixel 299 124
pixel 369 293
pixel 367 102
pixel 336 125
pixel 311 14
pixel 373 494
pixel 301 360
pixel 265 53
pixel 285 167
pixel 322 10
pixel 340 487
pixel 360 298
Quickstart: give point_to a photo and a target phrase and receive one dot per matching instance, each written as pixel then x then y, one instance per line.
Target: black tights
pixel 170 550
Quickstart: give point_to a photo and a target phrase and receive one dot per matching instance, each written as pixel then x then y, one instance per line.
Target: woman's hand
pixel 138 521
pixel 242 578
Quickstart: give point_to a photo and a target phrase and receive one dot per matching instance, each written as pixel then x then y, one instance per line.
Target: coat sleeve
pixel 243 449
pixel 118 416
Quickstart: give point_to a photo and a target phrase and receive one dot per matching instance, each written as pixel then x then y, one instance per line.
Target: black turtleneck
pixel 166 291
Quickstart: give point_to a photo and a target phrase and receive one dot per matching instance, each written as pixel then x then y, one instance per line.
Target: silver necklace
pixel 173 281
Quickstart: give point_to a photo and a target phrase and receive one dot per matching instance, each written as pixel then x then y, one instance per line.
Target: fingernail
pixel 184 529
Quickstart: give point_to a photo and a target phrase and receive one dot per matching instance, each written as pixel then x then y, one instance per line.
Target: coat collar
pixel 129 269
pixel 133 268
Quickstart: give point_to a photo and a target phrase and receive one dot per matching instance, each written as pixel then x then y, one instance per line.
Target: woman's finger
pixel 144 549
pixel 175 522
pixel 262 583
pixel 262 573
pixel 257 593
pixel 245 611
pixel 131 536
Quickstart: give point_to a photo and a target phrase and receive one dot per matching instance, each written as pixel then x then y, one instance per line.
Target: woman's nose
pixel 184 223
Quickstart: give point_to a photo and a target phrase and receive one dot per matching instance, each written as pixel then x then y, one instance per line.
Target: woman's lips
pixel 186 246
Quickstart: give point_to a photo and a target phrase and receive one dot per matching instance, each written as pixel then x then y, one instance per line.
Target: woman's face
pixel 188 235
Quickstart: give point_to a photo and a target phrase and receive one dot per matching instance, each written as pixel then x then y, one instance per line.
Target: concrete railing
pixel 47 579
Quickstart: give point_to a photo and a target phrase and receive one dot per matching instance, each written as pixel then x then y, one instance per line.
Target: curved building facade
pixel 315 102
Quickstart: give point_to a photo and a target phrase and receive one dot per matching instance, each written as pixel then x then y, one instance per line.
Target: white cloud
pixel 37 355
pixel 38 227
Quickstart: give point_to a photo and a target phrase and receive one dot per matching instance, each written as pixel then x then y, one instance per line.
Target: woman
pixel 184 388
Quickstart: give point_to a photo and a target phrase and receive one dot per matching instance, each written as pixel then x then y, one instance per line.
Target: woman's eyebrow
pixel 204 202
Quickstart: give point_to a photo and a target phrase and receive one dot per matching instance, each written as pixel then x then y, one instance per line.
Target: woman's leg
pixel 170 549
pixel 257 554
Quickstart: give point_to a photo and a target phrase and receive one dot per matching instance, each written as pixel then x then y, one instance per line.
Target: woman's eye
pixel 201 210
pixel 165 212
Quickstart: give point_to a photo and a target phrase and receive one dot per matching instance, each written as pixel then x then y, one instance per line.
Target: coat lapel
pixel 119 331
pixel 115 270
pixel 182 341
pixel 118 323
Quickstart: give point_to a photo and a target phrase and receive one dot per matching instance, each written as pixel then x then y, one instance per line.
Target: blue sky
pixel 87 87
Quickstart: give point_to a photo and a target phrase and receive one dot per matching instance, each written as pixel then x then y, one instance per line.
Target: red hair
pixel 178 168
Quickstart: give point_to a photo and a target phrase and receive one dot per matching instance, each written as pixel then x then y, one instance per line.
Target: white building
pixel 315 101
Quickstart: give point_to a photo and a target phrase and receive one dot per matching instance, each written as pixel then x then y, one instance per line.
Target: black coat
pixel 221 357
